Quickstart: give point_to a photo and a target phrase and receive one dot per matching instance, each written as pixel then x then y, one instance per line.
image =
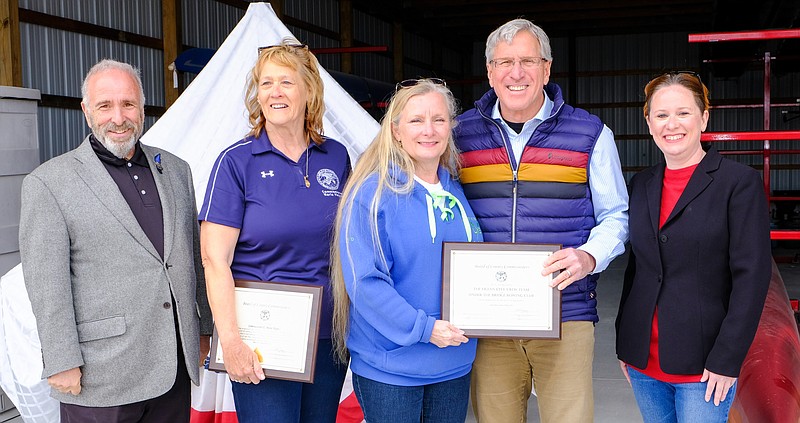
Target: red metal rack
pixel 766 135
pixel 772 34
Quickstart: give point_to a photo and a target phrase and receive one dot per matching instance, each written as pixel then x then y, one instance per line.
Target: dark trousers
pixel 172 407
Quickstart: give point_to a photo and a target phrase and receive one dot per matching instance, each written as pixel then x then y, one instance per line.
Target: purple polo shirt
pixel 286 227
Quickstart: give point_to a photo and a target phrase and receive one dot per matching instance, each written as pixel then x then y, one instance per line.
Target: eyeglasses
pixel 525 62
pixel 300 46
pixel 412 82
pixel 686 72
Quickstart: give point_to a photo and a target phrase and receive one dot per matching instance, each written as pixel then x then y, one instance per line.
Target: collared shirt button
pixel 144 192
pixel 135 177
pixel 129 164
pixel 167 305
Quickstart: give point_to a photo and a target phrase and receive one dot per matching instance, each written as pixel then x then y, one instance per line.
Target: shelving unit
pixel 766 135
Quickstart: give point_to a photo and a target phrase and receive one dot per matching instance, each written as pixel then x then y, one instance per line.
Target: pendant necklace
pixel 308 153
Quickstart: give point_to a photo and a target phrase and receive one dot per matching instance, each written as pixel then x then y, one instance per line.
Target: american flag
pixel 212 401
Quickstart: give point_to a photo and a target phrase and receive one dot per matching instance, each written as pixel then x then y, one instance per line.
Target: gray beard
pixel 119 149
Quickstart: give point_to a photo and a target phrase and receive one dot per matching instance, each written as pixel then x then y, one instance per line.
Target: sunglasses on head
pixel 412 82
pixel 686 72
pixel 293 46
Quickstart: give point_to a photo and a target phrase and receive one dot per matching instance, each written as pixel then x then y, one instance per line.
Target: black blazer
pixel 707 269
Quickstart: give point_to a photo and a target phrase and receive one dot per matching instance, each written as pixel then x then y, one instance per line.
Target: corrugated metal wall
pixel 139 16
pixel 328 61
pixel 608 69
pixel 417 48
pixel 605 63
pixel 452 61
pixel 321 13
pixel 206 23
pixel 376 32
pixel 55 61
pixel 615 68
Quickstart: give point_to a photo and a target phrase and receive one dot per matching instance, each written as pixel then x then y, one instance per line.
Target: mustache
pixel 111 126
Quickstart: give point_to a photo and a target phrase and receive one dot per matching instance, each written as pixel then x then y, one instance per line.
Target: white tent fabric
pixel 20 353
pixel 206 118
pixel 210 114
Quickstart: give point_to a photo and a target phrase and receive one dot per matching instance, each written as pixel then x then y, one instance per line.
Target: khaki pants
pixel 561 371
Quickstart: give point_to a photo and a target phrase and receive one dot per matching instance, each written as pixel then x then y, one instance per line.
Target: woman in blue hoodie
pixel 401 202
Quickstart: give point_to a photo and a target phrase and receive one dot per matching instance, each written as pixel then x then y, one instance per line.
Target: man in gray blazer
pixel 110 252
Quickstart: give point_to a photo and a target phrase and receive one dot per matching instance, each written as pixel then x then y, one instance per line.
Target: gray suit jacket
pixel 101 294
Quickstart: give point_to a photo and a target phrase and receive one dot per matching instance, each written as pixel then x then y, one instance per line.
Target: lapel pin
pixel 157 159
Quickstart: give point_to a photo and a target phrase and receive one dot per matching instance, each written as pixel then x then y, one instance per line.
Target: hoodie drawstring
pixel 444 201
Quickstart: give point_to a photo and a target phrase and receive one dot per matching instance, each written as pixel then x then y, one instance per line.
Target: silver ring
pixel 569 274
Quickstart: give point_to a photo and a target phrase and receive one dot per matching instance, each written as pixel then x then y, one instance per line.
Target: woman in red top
pixel 699 267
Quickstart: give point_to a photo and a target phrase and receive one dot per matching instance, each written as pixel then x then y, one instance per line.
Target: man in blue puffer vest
pixel 536 170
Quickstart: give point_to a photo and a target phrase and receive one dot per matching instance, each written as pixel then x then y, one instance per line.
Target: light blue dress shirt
pixel 609 192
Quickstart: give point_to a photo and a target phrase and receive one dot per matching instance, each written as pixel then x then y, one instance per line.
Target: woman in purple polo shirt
pixel 268 216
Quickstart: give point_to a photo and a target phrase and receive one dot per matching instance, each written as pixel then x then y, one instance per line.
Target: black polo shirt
pixel 136 183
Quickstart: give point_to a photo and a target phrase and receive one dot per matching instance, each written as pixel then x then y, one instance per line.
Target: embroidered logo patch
pixel 328 179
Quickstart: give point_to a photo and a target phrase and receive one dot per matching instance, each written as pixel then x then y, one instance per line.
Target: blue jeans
pixel 663 402
pixel 443 402
pixel 283 401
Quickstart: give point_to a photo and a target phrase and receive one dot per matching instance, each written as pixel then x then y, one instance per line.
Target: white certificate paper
pixel 280 322
pixel 497 290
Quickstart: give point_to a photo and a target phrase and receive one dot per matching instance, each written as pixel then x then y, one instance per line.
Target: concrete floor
pixel 613 398
pixel 614 402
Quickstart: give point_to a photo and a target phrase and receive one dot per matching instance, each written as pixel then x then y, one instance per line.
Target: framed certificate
pixel 280 322
pixel 496 290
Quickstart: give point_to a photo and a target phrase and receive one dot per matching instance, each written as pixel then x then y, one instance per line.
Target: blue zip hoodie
pixel 394 303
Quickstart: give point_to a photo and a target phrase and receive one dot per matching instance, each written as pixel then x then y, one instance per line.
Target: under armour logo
pixel 265 174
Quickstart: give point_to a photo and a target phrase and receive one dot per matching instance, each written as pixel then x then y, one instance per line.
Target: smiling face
pixel 519 89
pixel 423 129
pixel 676 122
pixel 114 112
pixel 282 97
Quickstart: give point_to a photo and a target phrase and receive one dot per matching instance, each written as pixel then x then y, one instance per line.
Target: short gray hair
pixel 510 29
pixel 108 64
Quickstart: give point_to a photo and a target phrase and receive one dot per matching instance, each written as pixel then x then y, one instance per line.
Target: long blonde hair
pixel 295 56
pixel 384 158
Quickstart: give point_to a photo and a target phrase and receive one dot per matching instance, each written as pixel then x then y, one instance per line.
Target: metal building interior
pixel 604 53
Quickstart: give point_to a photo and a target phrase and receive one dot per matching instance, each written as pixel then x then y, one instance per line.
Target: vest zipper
pixel 514 180
pixel 514 209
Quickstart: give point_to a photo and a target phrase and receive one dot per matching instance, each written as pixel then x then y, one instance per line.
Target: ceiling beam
pixel 546 6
